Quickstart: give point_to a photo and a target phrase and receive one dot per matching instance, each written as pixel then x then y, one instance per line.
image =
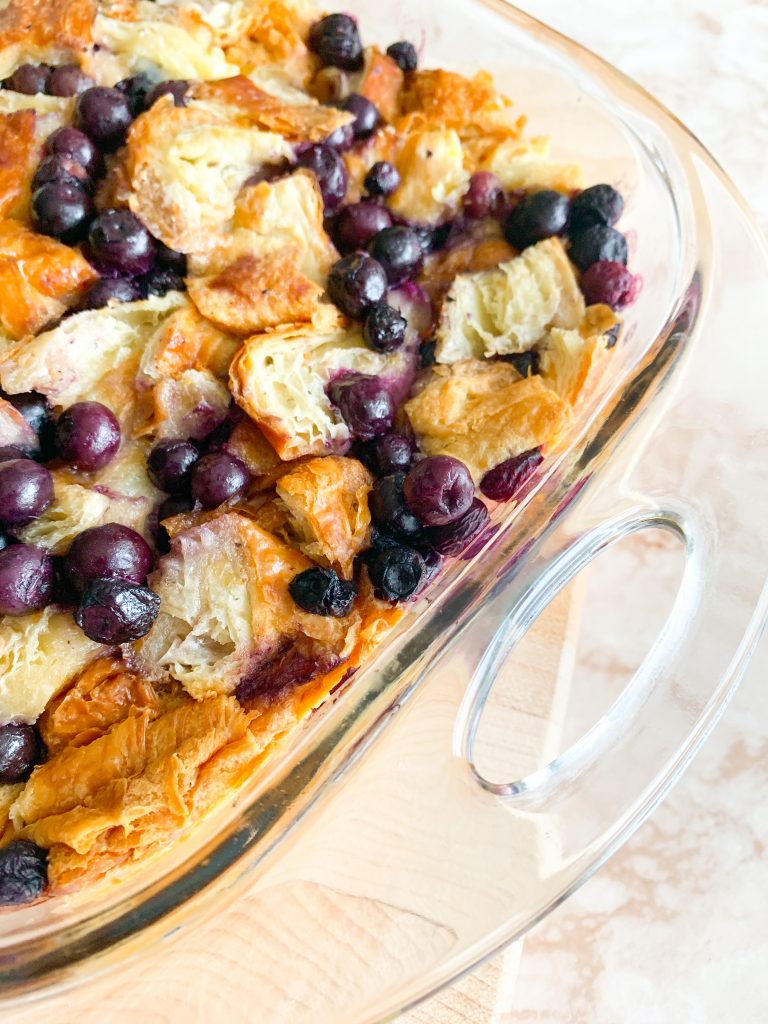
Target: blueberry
pixel 389 511
pixel 399 251
pixel 26 491
pixel 29 79
pixel 322 592
pixel 439 490
pixel 111 551
pixel 114 611
pixel 68 80
pixel 87 435
pixel 457 536
pixel 600 204
pixel 19 752
pixel 367 116
pixel 56 168
pixel 106 290
pixel 62 209
pixel 404 55
pixel 382 179
pixel 596 244
pixel 390 453
pixel 104 115
pixel 342 138
pixel 170 463
pixel 217 477
pixel 355 283
pixel 23 872
pixel 484 197
pixel 537 216
pixel 427 356
pixel 336 41
pixel 505 480
pixel 384 328
pixel 76 146
pixel 119 244
pixel 396 572
pixel 160 281
pixel 176 87
pixel 137 88
pixel 330 171
pixel 170 259
pixel 365 404
pixel 26 579
pixel 611 283
pixel 526 363
pixel 356 225
pixel 9 452
pixel 35 409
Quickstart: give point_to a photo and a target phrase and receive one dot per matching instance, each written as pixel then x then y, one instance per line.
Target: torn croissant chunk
pixel 226 610
pixel 328 502
pixel 510 307
pixel 484 413
pixel 279 378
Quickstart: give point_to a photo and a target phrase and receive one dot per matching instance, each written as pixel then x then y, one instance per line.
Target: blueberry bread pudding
pixel 283 317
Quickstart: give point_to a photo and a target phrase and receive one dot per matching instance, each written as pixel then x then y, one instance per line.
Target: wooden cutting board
pixel 206 974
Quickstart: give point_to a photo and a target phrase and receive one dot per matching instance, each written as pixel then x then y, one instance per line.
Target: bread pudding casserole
pixel 282 318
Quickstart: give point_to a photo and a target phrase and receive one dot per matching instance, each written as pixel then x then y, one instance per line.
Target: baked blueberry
pixel 36 411
pixel 29 79
pixel 62 209
pixel 23 872
pixel 26 491
pixel 170 463
pixel 382 179
pixel 526 363
pixel 19 751
pixel 355 283
pixel 536 217
pixel 505 480
pixel 404 55
pixel 390 453
pixel 396 571
pixel 456 537
pixel 389 511
pixel 399 252
pixel 119 245
pixel 137 88
pixel 609 282
pixel 104 115
pixel 323 592
pixel 76 146
pixel 217 477
pixel 484 197
pixel 597 244
pixel 384 328
pixel 175 87
pixel 57 167
pixel 115 611
pixel 170 259
pixel 111 551
pixel 329 169
pixel 356 225
pixel 336 41
pixel 366 114
pixel 599 204
pixel 365 404
pixel 439 490
pixel 27 579
pixel 160 281
pixel 68 80
pixel 87 435
pixel 109 289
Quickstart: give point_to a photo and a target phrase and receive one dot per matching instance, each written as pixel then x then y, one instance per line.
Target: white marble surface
pixel 675 928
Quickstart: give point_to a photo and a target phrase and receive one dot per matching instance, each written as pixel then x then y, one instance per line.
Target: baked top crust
pixel 234 343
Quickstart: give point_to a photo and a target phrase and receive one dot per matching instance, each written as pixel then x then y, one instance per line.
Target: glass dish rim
pixel 169 903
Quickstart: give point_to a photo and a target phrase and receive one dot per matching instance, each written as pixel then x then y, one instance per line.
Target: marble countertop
pixel 674 927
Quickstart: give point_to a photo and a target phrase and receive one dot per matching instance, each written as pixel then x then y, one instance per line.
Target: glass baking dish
pixel 674 438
